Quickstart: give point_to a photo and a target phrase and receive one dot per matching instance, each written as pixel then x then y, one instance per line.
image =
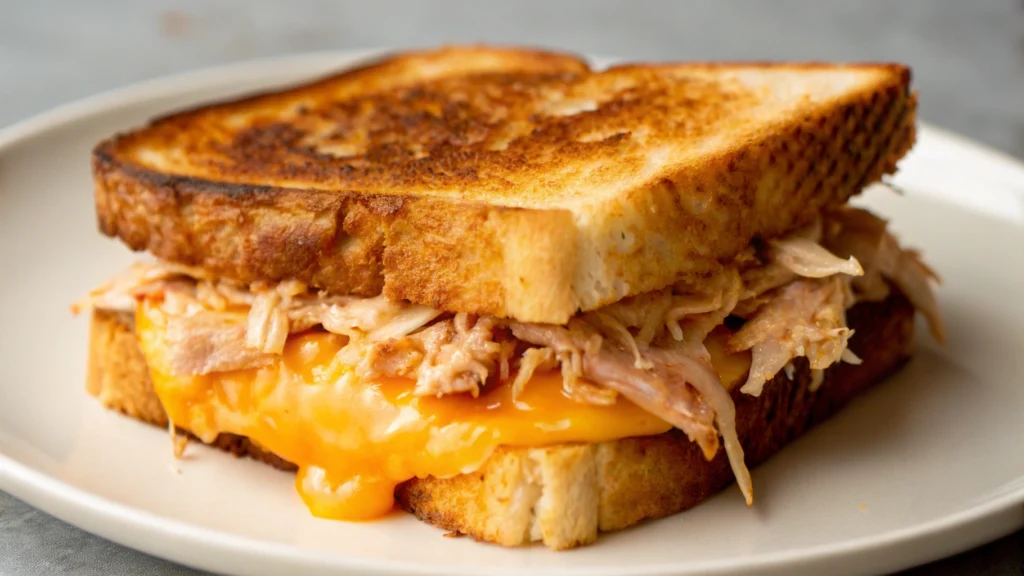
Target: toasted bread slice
pixel 503 181
pixel 564 495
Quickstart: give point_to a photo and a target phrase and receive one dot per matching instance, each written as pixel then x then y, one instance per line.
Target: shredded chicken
pixel 689 307
pixel 694 326
pixel 376 318
pixel 458 357
pixel 211 342
pixel 506 354
pixel 267 327
pixel 619 333
pixel 680 388
pixel 452 356
pixel 792 292
pixel 660 315
pixel 398 357
pixel 268 324
pixel 587 393
pixel 801 253
pixel 533 359
pixel 636 311
pixel 809 259
pixel 806 318
pixel 905 269
pixel 859 233
pixel 123 290
pixel 210 297
pixel 703 377
pixel 865 236
pixel 568 345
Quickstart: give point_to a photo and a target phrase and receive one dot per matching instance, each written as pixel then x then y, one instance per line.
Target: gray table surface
pixel 968 60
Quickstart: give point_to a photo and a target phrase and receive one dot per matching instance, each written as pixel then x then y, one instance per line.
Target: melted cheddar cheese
pixel 355 440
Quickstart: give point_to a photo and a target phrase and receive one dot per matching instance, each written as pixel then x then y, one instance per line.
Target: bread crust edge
pixel 477 257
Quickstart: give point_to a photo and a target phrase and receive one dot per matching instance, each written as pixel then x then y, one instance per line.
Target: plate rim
pixel 161 536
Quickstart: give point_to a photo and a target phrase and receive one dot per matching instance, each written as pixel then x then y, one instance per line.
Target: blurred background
pixel 967 57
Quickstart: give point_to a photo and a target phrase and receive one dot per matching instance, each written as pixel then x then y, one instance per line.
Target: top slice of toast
pixel 503 181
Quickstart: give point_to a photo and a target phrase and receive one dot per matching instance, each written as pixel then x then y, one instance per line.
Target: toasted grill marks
pixel 397 175
pixel 452 132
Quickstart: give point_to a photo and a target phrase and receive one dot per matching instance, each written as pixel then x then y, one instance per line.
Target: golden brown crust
pixel 565 495
pixel 117 374
pixel 395 177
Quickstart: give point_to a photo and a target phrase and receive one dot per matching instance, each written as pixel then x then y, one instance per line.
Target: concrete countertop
pixel 967 57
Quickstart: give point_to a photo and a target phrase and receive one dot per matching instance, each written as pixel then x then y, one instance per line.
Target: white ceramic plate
pixel 928 464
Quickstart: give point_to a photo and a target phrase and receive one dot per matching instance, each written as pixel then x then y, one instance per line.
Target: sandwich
pixel 523 299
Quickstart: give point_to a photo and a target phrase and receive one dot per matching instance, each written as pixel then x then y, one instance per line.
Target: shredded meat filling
pixel 458 355
pixel 792 292
pixel 680 387
pixel 806 318
pixel 865 237
pixel 211 342
pixel 534 359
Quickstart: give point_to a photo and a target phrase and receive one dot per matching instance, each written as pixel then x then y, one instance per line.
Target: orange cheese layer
pixel 355 440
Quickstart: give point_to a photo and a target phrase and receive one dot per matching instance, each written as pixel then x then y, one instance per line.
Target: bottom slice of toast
pixel 565 494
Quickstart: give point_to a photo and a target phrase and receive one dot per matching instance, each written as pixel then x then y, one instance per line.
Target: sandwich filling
pixel 365 393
